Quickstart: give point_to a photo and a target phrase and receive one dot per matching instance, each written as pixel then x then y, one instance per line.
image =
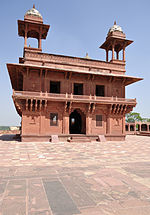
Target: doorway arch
pixel 77 122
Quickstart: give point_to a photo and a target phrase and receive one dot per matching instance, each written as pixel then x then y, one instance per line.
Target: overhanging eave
pixel 125 79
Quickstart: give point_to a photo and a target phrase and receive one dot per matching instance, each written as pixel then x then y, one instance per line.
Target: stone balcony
pixel 71 98
pixel 37 101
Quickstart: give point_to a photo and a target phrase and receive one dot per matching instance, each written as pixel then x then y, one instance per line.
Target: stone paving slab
pixel 59 199
pixel 106 178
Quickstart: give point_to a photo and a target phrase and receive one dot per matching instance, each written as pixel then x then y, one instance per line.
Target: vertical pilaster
pixel 123 125
pixel 40 80
pixel 108 124
pixel 66 123
pixel 88 124
pixel 45 82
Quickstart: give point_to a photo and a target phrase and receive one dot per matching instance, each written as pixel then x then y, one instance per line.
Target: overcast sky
pixel 77 27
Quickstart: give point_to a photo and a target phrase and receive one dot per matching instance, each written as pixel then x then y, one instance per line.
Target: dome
pixel 115 27
pixel 33 12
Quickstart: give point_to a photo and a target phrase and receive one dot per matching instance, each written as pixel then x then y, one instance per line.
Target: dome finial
pixel 33 12
pixel 114 28
pixel 87 56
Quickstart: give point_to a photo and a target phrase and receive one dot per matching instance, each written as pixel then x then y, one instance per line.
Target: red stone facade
pixel 65 96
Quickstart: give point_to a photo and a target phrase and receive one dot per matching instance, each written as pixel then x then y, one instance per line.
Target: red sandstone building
pixel 67 96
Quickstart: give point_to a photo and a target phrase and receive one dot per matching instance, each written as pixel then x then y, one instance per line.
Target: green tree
pixel 133 116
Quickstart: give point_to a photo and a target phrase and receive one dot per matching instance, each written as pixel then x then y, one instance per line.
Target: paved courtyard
pixel 111 178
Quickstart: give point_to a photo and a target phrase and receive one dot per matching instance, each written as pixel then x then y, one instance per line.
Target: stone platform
pixel 107 178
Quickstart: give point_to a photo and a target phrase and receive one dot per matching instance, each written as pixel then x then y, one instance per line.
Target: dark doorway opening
pixel 144 127
pixel 55 87
pixel 77 122
pixel 78 89
pixel 100 90
pixel 131 127
pixel 127 128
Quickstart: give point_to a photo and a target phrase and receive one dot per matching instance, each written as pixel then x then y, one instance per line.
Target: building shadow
pixel 10 137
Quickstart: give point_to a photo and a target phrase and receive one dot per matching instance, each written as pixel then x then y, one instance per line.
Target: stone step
pixel 79 139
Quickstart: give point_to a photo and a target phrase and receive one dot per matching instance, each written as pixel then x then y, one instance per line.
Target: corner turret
pixel 115 42
pixel 33 27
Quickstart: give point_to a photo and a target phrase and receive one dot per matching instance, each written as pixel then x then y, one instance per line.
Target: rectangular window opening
pixel 100 90
pixel 53 119
pixel 55 87
pixel 99 120
pixel 78 89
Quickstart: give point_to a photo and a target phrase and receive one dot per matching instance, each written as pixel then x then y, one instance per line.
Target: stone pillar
pixel 66 123
pixel 40 123
pixel 123 125
pixel 108 124
pixel 113 51
pixel 117 55
pixel 88 124
pixel 31 105
pixel 25 36
pixel 39 44
pixel 107 56
pixel 40 80
pixel 139 127
pixel 123 54
pixel 45 81
pixel 39 41
pixel 134 127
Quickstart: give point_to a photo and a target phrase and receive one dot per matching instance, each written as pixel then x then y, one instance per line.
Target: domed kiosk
pixel 33 27
pixel 116 41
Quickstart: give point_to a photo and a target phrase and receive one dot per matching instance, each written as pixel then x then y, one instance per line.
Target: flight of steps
pixel 79 139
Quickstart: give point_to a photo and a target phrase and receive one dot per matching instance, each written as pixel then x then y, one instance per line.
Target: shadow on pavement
pixel 10 137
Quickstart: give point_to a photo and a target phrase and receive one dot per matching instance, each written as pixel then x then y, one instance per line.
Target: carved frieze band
pixel 72 61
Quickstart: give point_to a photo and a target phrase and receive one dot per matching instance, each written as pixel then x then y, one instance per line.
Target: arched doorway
pixel 77 122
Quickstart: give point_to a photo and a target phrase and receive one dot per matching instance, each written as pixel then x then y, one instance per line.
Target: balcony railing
pixel 71 97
